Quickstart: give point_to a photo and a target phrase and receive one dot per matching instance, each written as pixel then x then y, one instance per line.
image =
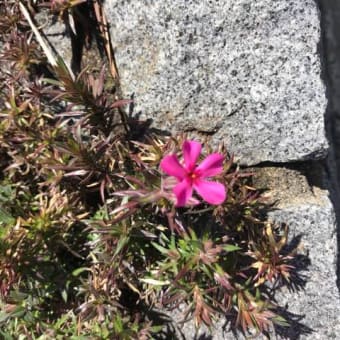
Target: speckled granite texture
pixel 307 207
pixel 241 71
pixel 317 303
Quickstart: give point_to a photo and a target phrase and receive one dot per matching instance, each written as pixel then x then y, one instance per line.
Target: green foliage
pixel 91 245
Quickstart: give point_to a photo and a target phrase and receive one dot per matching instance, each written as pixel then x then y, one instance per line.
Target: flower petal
pixel 183 192
pixel 171 166
pixel 191 152
pixel 211 192
pixel 211 165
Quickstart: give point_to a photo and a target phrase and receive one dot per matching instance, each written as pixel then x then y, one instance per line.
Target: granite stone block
pixel 305 202
pixel 240 71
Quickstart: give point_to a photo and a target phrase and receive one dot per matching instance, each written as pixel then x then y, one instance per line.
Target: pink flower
pixel 191 177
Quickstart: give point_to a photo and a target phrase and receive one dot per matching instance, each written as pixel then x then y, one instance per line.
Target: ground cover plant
pixel 106 225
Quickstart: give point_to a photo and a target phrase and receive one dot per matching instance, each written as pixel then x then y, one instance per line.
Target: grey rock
pixel 330 10
pixel 330 15
pixel 56 33
pixel 317 304
pixel 305 205
pixel 240 71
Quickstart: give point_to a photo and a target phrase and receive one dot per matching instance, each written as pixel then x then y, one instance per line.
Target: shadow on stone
pixel 203 337
pixel 329 50
pixel 296 328
pixel 300 262
pixel 298 280
pixel 170 329
pixel 140 127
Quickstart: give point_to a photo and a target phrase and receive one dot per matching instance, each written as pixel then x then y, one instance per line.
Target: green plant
pixel 92 244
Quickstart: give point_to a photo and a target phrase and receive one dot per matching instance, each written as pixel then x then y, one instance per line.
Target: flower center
pixel 192 176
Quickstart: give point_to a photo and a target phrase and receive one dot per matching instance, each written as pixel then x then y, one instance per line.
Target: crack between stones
pixel 329 50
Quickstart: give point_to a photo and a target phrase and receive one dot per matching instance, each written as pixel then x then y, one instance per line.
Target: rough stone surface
pixel 56 33
pixel 316 304
pixel 330 10
pixel 331 52
pixel 245 72
pixel 306 206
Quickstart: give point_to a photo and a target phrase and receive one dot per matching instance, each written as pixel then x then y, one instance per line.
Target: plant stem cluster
pixel 92 243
